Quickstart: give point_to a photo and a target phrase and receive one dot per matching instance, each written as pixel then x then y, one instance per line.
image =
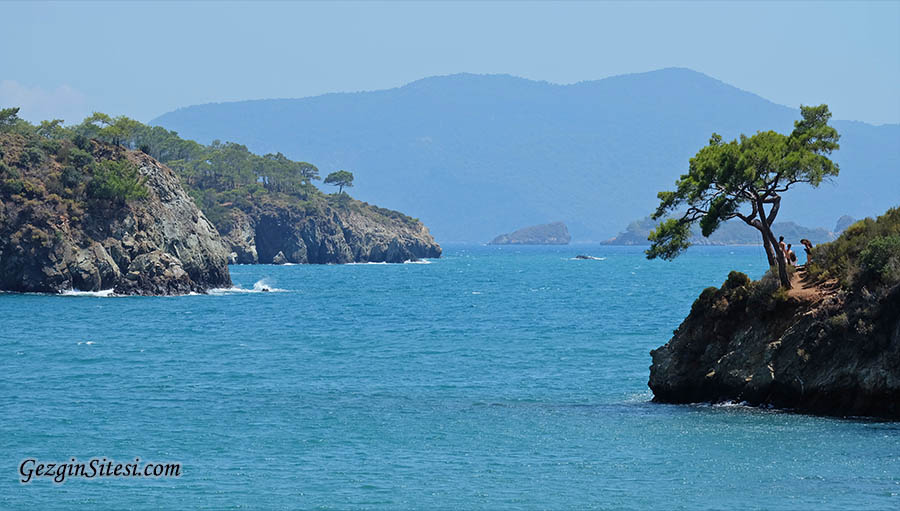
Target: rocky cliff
pixel 55 237
pixel 830 345
pixel 336 230
pixel 555 233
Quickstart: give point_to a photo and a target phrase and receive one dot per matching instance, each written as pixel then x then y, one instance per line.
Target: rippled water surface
pixel 493 378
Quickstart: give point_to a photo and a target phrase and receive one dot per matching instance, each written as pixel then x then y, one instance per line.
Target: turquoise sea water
pixel 493 378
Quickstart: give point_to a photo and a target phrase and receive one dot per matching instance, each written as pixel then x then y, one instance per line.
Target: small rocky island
pixel 829 345
pixel 554 233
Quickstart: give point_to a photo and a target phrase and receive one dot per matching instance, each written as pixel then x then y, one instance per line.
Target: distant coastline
pixel 555 233
pixel 733 233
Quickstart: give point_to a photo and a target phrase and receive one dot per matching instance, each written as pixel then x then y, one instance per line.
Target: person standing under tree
pixel 791 256
pixel 807 247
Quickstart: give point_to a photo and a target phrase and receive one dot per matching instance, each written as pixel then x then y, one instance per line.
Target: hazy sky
pixel 143 59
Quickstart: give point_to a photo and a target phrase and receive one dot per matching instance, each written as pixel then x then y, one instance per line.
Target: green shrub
pixel 842 258
pixel 71 176
pixel 12 186
pixel 116 181
pixel 708 294
pixel 80 158
pixel 780 295
pixel 881 259
pixel 51 146
pixel 736 279
pixel 82 142
pixel 762 291
pixel 839 320
pixel 31 157
pixel 7 171
pixel 705 299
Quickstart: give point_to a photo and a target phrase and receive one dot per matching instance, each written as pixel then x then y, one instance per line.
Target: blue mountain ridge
pixel 473 156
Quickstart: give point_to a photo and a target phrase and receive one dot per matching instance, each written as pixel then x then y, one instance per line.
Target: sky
pixel 65 60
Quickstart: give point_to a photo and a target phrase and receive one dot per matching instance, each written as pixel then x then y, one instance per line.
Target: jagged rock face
pixel 271 234
pixel 155 273
pixel 837 355
pixel 241 239
pixel 159 245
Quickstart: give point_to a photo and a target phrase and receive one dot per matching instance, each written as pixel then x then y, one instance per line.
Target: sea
pixel 495 377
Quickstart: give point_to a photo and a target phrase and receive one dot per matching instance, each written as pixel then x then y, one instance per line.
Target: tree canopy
pixel 340 179
pixel 218 176
pixel 745 179
pixel 8 116
pixel 219 167
pixel 117 181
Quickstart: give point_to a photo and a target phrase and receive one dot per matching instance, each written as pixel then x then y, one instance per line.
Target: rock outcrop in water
pixel 53 239
pixel 831 345
pixel 555 233
pixel 341 230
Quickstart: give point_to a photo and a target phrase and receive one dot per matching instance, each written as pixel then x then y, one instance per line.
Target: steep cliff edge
pixel 829 346
pixel 336 229
pixel 66 222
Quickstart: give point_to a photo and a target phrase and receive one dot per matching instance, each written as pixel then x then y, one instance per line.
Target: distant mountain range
pixel 734 232
pixel 474 155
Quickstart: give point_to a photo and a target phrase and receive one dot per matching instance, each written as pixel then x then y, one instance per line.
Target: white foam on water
pixel 732 404
pixel 102 293
pixel 260 286
pixel 417 261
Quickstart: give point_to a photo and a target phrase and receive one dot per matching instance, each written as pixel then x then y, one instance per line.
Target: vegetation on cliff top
pixel 858 270
pixel 866 255
pixel 219 176
pixel 59 178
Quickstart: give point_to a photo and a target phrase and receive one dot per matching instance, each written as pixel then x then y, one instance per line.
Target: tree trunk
pixel 770 254
pixel 780 256
pixel 756 224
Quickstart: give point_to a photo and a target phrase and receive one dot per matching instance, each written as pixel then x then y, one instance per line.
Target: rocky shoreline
pixel 817 349
pixel 158 245
pixel 55 237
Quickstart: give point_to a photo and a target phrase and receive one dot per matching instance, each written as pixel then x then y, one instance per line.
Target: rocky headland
pixel 555 233
pixel 830 345
pixel 82 209
pixel 332 230
pixel 68 223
